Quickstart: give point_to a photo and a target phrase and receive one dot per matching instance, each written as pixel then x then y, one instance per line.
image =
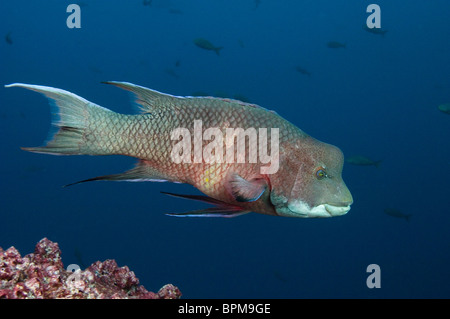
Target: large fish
pixel 300 178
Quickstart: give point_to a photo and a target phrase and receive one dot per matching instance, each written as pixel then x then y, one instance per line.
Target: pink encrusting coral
pixel 42 275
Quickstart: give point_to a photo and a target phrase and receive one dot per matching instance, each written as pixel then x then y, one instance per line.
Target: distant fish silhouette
pixel 444 108
pixel 8 38
pixel 206 45
pixel 303 71
pixel 147 2
pixel 280 276
pixel 396 213
pixel 172 73
pixel 377 31
pixel 95 69
pixel 336 45
pixel 175 11
pixel 362 161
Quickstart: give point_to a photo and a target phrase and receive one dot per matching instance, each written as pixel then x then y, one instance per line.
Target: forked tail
pixel 74 118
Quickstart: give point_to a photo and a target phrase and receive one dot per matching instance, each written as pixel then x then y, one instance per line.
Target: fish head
pixel 310 183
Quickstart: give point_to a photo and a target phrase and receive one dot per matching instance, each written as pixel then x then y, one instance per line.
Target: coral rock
pixel 42 275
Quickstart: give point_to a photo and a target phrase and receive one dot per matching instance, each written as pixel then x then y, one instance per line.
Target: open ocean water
pixel 376 96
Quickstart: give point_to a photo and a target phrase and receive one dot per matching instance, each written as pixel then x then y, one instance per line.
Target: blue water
pixel 377 97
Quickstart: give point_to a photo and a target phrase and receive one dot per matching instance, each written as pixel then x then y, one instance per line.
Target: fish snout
pixel 341 206
pixel 344 198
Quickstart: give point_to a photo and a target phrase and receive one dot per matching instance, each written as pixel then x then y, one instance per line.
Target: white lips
pixel 299 208
pixel 336 210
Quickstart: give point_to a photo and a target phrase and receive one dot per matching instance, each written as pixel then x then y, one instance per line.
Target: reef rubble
pixel 41 275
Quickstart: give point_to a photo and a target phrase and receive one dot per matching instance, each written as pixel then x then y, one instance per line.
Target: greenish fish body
pixel 444 108
pixel 207 45
pixel 197 140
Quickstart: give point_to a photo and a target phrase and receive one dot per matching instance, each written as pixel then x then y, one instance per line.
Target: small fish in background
pixel 8 38
pixel 257 3
pixel 206 45
pixel 31 170
pixel 377 31
pixel 241 43
pixel 175 11
pixel 177 63
pixel 147 2
pixel 336 45
pixel 396 213
pixel 34 169
pixel 172 73
pixel 444 108
pixel 303 71
pixel 95 69
pixel 22 115
pixel 362 161
pixel 280 276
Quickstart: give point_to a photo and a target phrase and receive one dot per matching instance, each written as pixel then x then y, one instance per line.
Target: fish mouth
pixel 336 210
pixel 299 208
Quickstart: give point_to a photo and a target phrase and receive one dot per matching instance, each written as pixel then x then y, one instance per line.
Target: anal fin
pixel 142 172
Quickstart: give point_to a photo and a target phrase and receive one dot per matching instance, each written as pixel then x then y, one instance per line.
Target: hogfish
pixel 192 140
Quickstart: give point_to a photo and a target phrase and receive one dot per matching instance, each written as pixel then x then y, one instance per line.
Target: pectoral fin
pixel 247 190
pixel 221 209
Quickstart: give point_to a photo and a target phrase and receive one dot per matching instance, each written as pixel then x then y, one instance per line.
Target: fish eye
pixel 321 173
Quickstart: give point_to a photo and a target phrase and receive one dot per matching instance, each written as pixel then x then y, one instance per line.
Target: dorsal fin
pixel 149 100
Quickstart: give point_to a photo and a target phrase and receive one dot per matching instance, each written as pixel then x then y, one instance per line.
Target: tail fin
pixel 217 50
pixel 72 116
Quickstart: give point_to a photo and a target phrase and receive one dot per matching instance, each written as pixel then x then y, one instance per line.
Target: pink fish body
pixel 243 157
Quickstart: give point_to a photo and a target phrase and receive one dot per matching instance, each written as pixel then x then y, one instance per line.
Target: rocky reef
pixel 42 275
